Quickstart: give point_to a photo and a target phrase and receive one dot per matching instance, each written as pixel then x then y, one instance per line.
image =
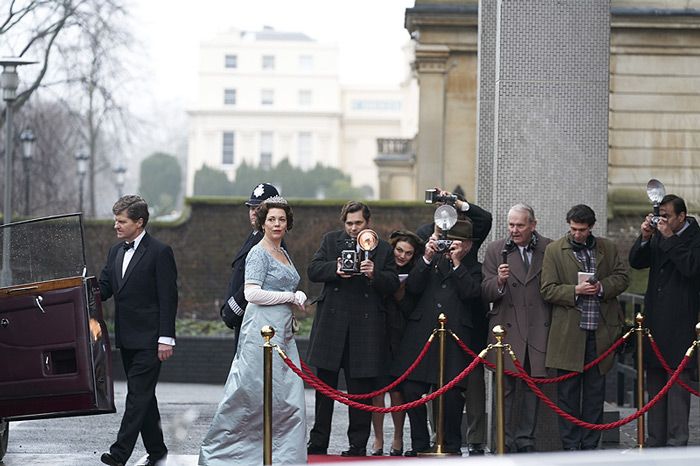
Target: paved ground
pixel 187 409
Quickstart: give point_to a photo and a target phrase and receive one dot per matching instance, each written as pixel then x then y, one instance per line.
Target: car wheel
pixel 4 434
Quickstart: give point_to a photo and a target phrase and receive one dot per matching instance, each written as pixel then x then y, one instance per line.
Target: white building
pixel 265 96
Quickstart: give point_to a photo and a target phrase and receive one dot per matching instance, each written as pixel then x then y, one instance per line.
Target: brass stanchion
pixel 639 318
pixel 267 332
pixel 439 448
pixel 499 332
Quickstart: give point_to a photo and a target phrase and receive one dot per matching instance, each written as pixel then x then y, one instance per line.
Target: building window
pixel 377 105
pixel 266 147
pixel 305 97
pixel 229 97
pixel 229 137
pixel 306 62
pixel 267 97
pixel 268 62
pixel 231 61
pixel 304 151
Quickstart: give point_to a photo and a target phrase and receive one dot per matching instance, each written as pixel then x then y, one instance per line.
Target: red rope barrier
pixel 611 425
pixel 561 378
pixel 330 392
pixel 666 367
pixel 391 386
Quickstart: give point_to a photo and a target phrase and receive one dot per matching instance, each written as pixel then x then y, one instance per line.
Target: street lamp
pixel 82 158
pixel 119 172
pixel 27 138
pixel 9 80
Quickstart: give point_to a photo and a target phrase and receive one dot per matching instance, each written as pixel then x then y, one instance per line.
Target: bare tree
pixel 82 45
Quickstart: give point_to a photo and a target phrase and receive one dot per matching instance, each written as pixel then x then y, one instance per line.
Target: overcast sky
pixel 370 35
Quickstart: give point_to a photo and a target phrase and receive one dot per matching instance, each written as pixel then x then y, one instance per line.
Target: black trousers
pixel 359 421
pixel 667 423
pixel 418 417
pixel 582 397
pixel 141 413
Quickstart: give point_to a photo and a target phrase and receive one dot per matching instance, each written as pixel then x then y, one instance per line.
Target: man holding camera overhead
pixel 481 221
pixel 582 275
pixel 669 244
pixel 443 282
pixel 348 331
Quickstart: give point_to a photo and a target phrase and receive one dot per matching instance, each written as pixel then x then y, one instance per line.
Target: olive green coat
pixel 567 342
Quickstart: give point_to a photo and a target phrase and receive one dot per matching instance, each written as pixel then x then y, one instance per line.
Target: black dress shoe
pixel 411 453
pixel 377 452
pixel 476 451
pixel 354 451
pixel 107 458
pixel 526 449
pixel 312 449
pixel 395 452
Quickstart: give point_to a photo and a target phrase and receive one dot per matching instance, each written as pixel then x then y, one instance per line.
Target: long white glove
pixel 255 294
pixel 299 298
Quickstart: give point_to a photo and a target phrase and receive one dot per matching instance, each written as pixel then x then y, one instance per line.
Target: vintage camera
pixel 433 195
pixel 443 245
pixel 349 261
pixel 349 258
pixel 656 192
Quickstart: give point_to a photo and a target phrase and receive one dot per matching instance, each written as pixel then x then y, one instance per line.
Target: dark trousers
pixel 141 414
pixel 582 397
pixel 521 406
pixel 476 407
pixel 418 417
pixel 359 421
pixel 668 419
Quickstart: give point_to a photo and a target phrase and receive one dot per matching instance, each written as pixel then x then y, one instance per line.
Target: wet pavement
pixel 187 409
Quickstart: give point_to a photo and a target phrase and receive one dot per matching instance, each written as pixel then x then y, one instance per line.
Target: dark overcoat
pixel 567 341
pixel 520 308
pixel 440 289
pixel 671 302
pixel 351 309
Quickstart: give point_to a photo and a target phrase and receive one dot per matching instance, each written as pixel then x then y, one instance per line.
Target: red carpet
pixel 338 458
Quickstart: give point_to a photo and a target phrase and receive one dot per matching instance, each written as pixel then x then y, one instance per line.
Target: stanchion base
pixel 437 450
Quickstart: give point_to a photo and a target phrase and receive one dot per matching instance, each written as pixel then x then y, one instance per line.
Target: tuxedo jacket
pixel 145 299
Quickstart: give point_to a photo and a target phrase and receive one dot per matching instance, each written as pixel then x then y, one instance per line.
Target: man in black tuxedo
pixel 233 308
pixel 141 275
pixel 349 327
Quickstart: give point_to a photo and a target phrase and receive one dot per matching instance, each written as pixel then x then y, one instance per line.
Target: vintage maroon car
pixel 55 357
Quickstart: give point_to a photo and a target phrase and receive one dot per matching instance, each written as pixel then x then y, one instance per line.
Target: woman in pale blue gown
pixel 236 433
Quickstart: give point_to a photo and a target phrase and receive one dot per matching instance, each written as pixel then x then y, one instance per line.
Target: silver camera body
pixel 443 245
pixel 433 195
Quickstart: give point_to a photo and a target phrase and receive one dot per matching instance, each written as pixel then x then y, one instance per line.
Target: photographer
pixel 349 328
pixel 669 244
pixel 443 281
pixel 481 221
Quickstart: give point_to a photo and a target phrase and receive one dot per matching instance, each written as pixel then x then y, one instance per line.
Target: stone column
pixel 550 110
pixel 431 66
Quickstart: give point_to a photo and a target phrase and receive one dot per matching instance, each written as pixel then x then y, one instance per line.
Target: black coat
pixel 145 300
pixel 235 284
pixel 440 289
pixel 672 301
pixel 351 309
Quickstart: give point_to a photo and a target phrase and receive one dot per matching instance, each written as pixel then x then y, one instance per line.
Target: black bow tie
pixel 128 246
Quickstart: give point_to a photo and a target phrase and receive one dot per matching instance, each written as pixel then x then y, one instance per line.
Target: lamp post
pixel 120 178
pixel 9 80
pixel 27 138
pixel 82 158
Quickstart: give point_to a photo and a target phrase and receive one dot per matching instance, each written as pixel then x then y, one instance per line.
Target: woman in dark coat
pixel 406 246
pixel 442 283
